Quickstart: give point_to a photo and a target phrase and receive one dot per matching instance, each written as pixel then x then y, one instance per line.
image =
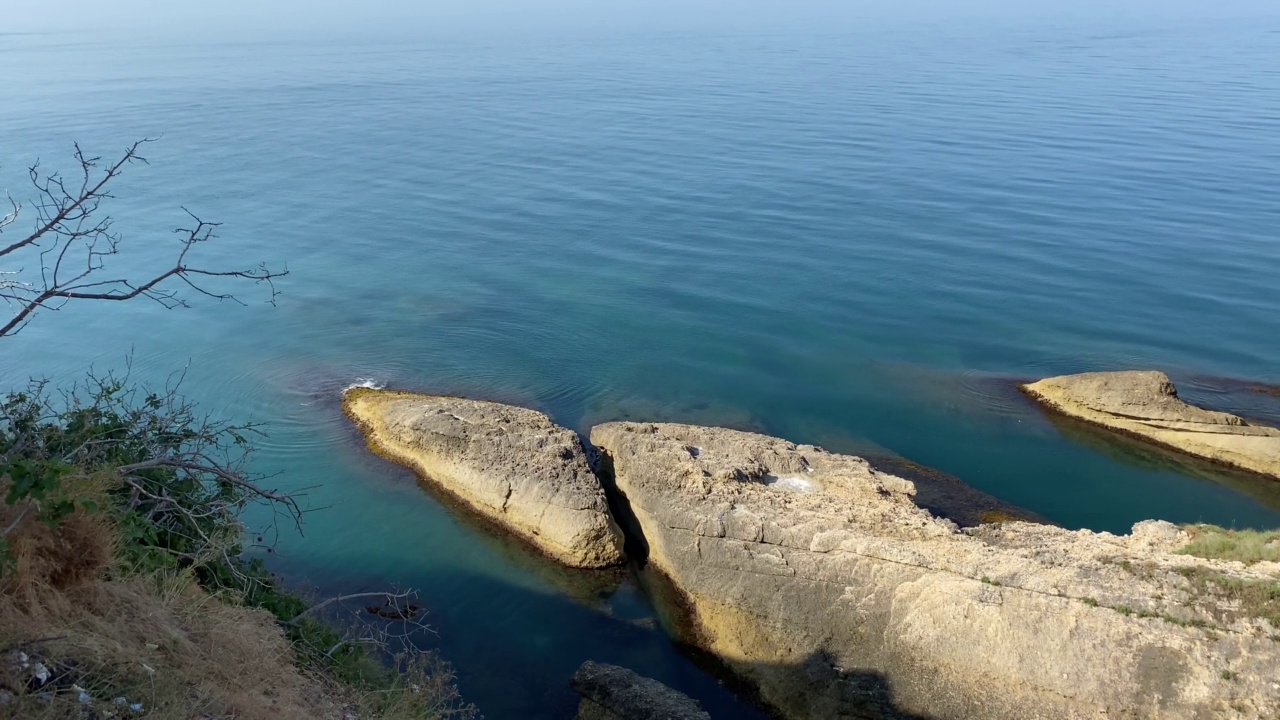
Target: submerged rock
pixel 818 578
pixel 610 692
pixel 511 465
pixel 1145 404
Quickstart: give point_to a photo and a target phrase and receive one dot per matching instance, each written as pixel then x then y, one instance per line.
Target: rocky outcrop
pixel 511 465
pixel 1146 405
pixel 610 692
pixel 819 579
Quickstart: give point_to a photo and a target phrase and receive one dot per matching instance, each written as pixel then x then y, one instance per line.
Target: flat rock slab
pixel 818 578
pixel 510 464
pixel 610 692
pixel 1145 404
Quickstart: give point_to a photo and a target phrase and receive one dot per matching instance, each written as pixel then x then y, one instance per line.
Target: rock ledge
pixel 512 465
pixel 1145 404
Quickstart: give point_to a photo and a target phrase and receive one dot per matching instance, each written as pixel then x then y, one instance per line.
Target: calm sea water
pixel 855 240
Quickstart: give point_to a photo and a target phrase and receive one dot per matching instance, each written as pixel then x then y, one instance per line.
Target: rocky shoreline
pixel 822 581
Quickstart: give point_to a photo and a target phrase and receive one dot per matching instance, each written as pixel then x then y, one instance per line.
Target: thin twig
pixel 16 521
pixel 388 597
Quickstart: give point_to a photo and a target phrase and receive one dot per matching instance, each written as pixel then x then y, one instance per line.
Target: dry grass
pixel 161 640
pixel 1246 546
pixel 77 552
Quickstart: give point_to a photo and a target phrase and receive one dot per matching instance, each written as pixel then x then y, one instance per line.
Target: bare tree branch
pixel 72 240
pixel 198 463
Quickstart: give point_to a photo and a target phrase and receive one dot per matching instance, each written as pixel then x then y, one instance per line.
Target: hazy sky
pixel 199 17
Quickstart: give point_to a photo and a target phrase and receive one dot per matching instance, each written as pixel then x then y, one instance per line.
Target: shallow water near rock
pixel 858 241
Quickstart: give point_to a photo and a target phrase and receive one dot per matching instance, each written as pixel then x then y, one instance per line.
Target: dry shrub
pixel 78 550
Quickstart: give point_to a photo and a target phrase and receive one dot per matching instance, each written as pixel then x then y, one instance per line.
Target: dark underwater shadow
pixel 510 672
pixel 517 664
pixel 947 496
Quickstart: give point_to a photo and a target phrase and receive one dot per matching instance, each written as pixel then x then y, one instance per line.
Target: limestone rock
pixel 1146 404
pixel 610 692
pixel 818 578
pixel 510 464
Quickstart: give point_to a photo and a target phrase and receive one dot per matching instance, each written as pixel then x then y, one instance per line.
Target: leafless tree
pixel 64 257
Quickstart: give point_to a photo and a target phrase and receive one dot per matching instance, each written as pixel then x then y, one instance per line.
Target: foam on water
pixel 363 383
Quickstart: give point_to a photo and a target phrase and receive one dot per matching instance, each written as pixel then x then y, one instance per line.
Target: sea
pixel 858 237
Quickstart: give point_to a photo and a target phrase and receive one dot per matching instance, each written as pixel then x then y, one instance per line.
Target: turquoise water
pixel 857 240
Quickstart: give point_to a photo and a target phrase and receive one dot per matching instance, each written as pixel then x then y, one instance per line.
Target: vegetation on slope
pixel 125 592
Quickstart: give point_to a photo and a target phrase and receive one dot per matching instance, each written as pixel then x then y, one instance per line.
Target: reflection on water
pixel 1148 456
